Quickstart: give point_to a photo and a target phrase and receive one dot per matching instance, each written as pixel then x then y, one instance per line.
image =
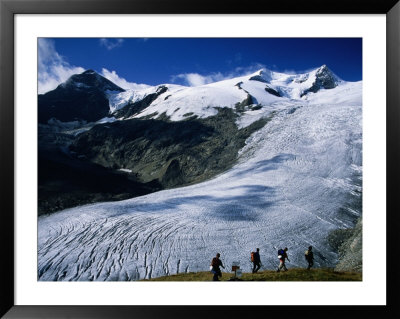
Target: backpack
pixel 281 252
pixel 214 262
pixel 252 256
pixel 308 254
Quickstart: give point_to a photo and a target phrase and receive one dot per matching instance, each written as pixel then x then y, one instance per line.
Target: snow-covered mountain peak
pixel 81 97
pixel 261 72
pixel 263 88
pixel 119 100
pixel 262 75
pixel 324 71
pixel 90 71
pixel 90 79
pixel 268 76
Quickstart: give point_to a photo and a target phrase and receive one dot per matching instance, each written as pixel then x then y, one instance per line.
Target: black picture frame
pixel 8 10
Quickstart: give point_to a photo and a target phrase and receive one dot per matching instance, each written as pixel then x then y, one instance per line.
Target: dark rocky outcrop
pixel 136 107
pixel 325 79
pixel 155 154
pixel 348 244
pixel 272 91
pixel 171 153
pixel 239 85
pixel 248 101
pixel 258 78
pixel 173 175
pixel 65 180
pixel 350 251
pixel 241 106
pixel 81 97
pixel 337 237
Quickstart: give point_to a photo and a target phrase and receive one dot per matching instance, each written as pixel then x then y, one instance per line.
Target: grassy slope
pixel 294 274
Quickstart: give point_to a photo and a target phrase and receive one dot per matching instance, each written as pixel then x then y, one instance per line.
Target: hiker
pixel 215 263
pixel 309 255
pixel 255 259
pixel 282 255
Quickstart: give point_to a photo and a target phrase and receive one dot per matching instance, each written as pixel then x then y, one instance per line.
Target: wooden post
pixel 235 267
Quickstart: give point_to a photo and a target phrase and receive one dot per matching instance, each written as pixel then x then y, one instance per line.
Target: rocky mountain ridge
pixel 90 97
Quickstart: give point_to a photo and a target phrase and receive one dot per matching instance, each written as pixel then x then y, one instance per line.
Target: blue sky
pixel 133 62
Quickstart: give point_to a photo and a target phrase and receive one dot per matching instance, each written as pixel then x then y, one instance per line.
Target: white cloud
pixel 240 71
pixel 52 68
pixel 111 43
pixel 196 79
pixel 121 82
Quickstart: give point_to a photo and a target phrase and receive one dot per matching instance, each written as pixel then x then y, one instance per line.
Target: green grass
pixel 294 274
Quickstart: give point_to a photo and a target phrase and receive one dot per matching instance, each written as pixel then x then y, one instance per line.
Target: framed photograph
pixel 149 148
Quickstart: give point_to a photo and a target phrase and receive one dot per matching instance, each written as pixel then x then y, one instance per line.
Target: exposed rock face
pixel 350 252
pixel 66 181
pixel 268 89
pixel 82 97
pixel 248 101
pixel 258 78
pixel 272 91
pixel 171 153
pixel 302 79
pixel 136 107
pixel 325 79
pixel 173 175
pixel 241 107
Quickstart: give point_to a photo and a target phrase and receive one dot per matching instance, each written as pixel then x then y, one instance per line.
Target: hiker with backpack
pixel 309 255
pixel 255 259
pixel 215 264
pixel 282 255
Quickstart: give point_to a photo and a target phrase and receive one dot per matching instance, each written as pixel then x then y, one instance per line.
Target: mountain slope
pixel 263 87
pixel 194 149
pixel 82 97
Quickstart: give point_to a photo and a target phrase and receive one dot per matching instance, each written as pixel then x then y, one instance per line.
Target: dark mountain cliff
pixel 81 97
pixel 171 153
pixel 325 79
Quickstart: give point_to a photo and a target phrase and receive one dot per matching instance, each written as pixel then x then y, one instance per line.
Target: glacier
pixel 297 179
